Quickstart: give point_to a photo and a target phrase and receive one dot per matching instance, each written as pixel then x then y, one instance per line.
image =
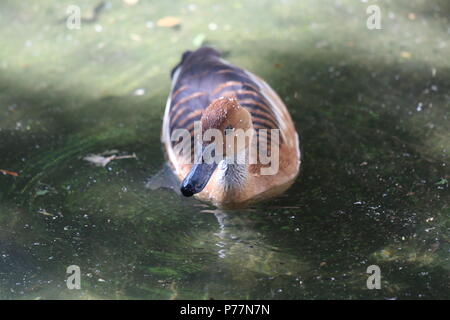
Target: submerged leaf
pixel 441 182
pixel 41 192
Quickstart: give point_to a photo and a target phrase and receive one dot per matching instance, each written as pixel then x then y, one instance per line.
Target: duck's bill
pixel 197 178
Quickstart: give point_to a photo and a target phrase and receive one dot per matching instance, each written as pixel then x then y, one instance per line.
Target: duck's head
pixel 226 133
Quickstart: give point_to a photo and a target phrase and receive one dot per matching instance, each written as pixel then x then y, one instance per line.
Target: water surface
pixel 372 109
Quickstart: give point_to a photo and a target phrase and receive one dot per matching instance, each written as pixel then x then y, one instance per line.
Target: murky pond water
pixel 372 108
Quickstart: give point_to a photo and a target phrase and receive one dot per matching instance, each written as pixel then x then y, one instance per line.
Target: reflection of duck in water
pixel 226 98
pixel 246 252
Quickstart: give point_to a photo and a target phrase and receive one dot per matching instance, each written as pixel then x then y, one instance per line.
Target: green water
pixel 372 108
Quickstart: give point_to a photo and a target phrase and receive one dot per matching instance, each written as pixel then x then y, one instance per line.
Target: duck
pixel 209 94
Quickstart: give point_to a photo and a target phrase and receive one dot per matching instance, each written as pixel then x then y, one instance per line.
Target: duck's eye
pixel 228 130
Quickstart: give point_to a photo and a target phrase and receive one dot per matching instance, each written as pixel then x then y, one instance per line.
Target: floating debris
pixel 139 92
pixel 93 15
pixel 411 16
pixel 212 26
pixel 135 37
pixel 41 193
pixel 45 213
pixel 385 253
pixel 102 161
pixel 198 40
pixel 168 22
pixel 130 2
pixel 406 55
pixel 109 152
pixel 10 173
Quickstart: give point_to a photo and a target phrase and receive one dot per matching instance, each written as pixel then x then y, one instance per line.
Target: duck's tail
pixel 200 53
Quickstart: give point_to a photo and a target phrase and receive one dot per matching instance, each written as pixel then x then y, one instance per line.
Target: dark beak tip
pixel 187 191
pixel 197 179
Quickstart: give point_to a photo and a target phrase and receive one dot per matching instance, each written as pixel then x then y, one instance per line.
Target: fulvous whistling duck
pixel 209 93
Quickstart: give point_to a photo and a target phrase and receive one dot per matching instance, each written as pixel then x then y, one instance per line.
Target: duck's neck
pixel 233 175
